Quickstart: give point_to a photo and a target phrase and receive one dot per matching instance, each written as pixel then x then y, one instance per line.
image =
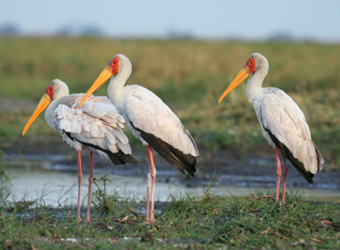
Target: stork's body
pixel 95 126
pixel 150 120
pixel 154 123
pixel 282 122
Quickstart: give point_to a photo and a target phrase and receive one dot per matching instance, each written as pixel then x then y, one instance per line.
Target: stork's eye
pixel 250 62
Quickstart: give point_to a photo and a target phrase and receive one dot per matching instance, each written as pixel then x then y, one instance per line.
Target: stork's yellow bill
pixel 44 102
pixel 241 76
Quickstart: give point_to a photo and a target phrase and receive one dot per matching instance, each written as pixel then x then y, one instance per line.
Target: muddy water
pixel 52 180
pixel 57 188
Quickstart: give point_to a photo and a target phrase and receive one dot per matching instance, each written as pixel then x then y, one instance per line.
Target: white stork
pixel 150 120
pixel 282 121
pixel 96 126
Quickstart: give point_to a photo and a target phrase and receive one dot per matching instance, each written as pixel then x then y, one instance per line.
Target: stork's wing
pixel 153 121
pixel 97 124
pixel 153 116
pixel 282 117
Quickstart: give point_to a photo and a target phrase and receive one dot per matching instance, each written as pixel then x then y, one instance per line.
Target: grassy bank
pixel 188 75
pixel 207 222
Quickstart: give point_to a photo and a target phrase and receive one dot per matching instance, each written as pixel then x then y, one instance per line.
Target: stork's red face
pixel 248 69
pixel 114 64
pixel 50 91
pixel 110 70
pixel 251 65
pixel 45 100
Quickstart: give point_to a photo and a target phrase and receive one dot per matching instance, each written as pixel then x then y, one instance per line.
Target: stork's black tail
pixel 288 154
pixel 118 158
pixel 172 155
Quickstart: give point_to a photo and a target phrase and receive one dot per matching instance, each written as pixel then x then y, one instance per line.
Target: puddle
pixel 54 183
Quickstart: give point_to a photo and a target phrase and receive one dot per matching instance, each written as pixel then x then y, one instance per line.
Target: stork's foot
pixel 261 198
pixel 149 222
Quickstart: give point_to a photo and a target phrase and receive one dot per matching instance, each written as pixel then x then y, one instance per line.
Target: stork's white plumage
pixel 96 126
pixel 282 122
pixel 150 120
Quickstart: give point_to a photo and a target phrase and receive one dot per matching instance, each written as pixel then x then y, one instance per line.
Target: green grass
pixel 206 222
pixel 189 76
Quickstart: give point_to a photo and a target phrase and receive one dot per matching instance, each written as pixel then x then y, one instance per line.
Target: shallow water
pixel 54 182
pixel 60 189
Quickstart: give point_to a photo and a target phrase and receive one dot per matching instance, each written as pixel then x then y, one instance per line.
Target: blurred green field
pixel 188 75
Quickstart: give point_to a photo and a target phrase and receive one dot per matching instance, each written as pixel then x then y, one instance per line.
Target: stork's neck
pixel 116 86
pixel 254 85
pixel 49 113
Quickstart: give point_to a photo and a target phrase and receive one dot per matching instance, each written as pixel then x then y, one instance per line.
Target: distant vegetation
pixel 189 76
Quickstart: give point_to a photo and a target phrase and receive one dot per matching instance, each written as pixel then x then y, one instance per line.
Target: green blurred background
pixel 188 75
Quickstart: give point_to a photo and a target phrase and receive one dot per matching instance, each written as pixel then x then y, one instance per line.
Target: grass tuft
pixel 203 222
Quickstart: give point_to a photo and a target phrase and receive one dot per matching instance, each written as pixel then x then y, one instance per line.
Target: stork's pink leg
pixel 91 177
pixel 285 174
pixel 80 178
pixel 278 173
pixel 152 176
pixel 147 218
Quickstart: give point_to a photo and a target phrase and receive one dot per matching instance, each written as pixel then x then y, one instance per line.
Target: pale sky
pixel 257 19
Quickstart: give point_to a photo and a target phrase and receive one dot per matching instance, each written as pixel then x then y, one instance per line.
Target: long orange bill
pixel 241 76
pixel 102 78
pixel 44 101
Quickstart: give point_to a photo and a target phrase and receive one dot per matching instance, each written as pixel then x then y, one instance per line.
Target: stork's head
pixel 117 65
pixel 55 90
pixel 254 63
pixel 260 62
